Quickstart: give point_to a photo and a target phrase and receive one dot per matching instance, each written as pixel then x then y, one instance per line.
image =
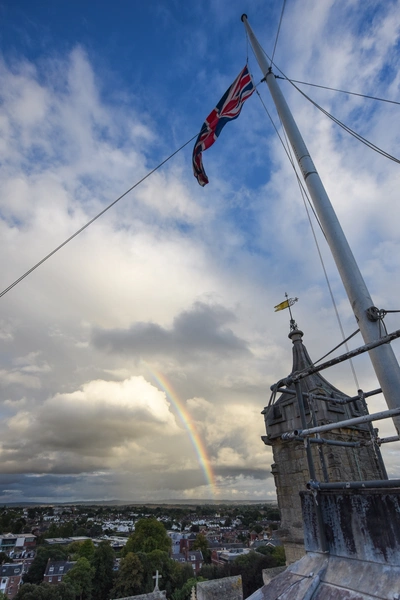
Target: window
pixel 50 579
pixel 61 569
pixel 192 557
pixel 59 578
pixel 51 569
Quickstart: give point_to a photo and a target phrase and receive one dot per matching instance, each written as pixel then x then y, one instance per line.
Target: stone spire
pixel 333 463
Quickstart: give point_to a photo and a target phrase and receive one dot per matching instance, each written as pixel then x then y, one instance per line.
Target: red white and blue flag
pixel 227 109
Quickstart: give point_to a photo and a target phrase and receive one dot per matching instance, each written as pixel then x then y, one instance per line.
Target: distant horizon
pixel 139 503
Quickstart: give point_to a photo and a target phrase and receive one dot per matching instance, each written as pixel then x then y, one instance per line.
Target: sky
pixel 136 361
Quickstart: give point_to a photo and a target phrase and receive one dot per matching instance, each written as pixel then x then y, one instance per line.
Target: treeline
pixel 13 520
pixel 249 566
pixel 93 576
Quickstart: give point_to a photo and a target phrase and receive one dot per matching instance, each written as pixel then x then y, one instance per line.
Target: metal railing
pixel 311 435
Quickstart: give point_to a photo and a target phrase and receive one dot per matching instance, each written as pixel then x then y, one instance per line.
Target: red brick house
pixel 191 557
pixel 186 542
pixel 55 571
pixel 11 578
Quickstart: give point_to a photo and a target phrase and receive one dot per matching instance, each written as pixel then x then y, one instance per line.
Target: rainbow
pixel 188 424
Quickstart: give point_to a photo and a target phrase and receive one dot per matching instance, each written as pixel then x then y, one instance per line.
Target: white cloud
pixel 201 268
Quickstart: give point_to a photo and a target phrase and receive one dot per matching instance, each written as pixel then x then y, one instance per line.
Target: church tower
pixel 345 454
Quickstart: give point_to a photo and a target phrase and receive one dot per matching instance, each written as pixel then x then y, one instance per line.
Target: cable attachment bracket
pixel 376 314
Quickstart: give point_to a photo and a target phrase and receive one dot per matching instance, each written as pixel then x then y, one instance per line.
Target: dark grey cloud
pixel 39 487
pixel 127 487
pixel 253 473
pixel 199 331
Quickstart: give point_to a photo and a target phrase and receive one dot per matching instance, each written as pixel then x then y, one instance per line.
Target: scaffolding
pixel 312 435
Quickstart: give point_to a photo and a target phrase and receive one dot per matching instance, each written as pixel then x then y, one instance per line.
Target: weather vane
pixel 287 304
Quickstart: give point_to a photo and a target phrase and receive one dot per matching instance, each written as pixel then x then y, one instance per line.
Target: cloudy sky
pixel 149 343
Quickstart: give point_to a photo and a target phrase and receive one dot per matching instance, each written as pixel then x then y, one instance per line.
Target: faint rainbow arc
pixel 188 424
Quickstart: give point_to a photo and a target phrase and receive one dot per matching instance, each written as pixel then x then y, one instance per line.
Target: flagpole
pixel 383 358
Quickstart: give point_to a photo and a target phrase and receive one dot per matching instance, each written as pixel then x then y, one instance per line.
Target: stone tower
pixel 323 404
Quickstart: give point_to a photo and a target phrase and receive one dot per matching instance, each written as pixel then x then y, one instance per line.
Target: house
pixel 176 541
pixel 11 578
pixel 261 543
pixel 55 570
pixel 191 557
pixel 187 541
pixel 221 557
pixel 17 542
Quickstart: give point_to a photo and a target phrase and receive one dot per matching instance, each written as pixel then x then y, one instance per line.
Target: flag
pixel 227 109
pixel 285 304
pixel 282 305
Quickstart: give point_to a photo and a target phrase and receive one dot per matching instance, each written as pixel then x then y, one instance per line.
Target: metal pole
pixel 348 422
pixel 387 440
pixel 354 485
pixel 311 404
pixel 383 359
pixel 311 469
pixel 373 433
pixel 300 403
pixel 342 358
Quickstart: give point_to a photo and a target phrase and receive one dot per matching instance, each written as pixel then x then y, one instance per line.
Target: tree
pixel 265 550
pixel 38 566
pixel 31 513
pixel 73 549
pixel 279 556
pixel 18 525
pixel 186 573
pixel 149 535
pixel 67 530
pixel 170 570
pixel 250 567
pixel 53 531
pixel 45 591
pixel 185 592
pixel 211 571
pixel 201 543
pixel 103 563
pixel 273 514
pixel 129 578
pixel 86 550
pixel 80 577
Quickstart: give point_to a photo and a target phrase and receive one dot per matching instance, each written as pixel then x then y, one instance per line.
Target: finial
pixel 287 304
pixel 156 577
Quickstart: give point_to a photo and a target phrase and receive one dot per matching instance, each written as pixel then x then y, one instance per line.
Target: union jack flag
pixel 227 109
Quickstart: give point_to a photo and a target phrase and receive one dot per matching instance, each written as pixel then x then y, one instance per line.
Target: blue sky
pixel 175 278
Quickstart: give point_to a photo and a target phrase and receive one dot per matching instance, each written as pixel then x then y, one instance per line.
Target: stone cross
pixel 157 577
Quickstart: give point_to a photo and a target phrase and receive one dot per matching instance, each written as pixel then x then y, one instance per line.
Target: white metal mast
pixel 383 358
